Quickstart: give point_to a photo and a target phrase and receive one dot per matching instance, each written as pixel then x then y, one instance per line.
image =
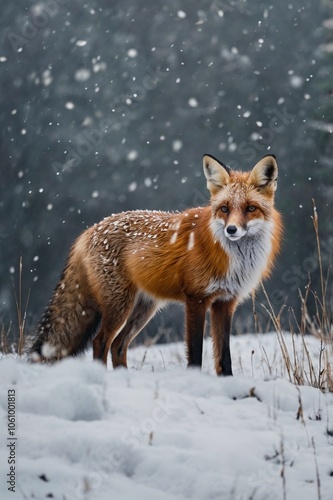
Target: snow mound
pixel 71 389
pixel 161 432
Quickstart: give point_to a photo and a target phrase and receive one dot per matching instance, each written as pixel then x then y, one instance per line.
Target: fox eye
pixel 251 208
pixel 224 209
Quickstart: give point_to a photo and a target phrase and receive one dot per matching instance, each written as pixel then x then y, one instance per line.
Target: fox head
pixel 242 202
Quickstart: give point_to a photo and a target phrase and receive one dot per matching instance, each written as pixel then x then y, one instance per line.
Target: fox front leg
pixel 195 321
pixel 221 317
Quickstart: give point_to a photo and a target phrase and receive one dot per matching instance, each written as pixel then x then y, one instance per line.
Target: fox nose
pixel 231 230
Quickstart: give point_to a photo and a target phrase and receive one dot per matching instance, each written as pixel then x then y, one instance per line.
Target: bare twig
pixel 317 470
pixel 322 282
pixel 283 472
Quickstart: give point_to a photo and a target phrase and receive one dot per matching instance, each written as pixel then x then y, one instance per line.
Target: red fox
pixel 123 269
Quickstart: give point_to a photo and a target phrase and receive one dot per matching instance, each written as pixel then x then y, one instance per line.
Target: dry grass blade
pixel 4 335
pixel 301 367
pixel 277 325
pixel 315 220
pixel 21 314
pixel 325 322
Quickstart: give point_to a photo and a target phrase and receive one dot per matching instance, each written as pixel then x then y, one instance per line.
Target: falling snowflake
pixel 82 75
pixel 132 155
pixel 133 186
pixel 193 102
pixel 132 53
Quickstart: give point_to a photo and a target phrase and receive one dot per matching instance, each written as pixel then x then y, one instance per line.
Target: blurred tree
pixel 109 107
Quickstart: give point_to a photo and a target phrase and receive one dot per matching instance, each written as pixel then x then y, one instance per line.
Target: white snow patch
pixel 173 238
pixel 190 241
pixel 48 351
pixel 160 431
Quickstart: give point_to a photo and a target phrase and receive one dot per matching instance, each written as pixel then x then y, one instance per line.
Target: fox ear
pixel 264 174
pixel 216 173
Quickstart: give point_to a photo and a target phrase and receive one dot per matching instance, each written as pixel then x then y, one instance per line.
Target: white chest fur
pixel 247 261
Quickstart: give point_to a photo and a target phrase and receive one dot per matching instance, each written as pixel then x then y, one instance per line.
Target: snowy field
pixel 161 432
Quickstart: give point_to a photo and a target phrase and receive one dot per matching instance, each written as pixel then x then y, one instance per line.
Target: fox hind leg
pixel 144 309
pixel 114 319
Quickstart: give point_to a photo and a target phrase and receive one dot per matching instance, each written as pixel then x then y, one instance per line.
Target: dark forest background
pixel 109 106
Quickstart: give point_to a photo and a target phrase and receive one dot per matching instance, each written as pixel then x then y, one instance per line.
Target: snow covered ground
pixel 161 432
